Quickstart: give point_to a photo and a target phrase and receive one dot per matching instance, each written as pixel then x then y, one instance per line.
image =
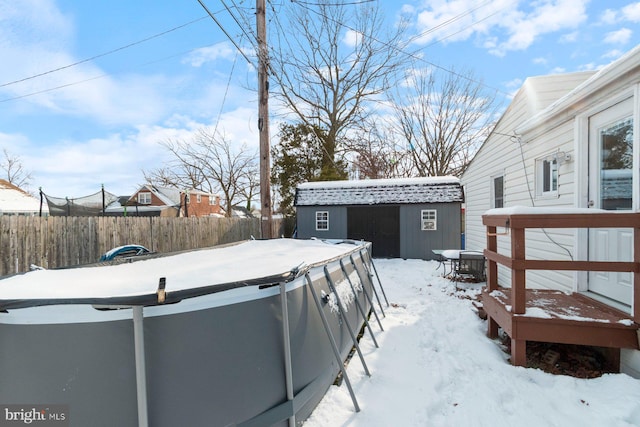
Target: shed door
pixel 611 159
pixel 377 224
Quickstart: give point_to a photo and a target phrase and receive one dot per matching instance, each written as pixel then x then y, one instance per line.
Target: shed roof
pixel 442 189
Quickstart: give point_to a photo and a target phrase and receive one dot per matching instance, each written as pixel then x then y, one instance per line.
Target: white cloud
pixel 589 66
pixel 352 38
pixel 609 17
pixel 558 70
pixel 203 55
pixel 515 83
pixel 569 37
pixel 540 61
pixel 35 38
pixel 622 36
pixel 612 54
pixel 631 12
pixel 546 17
pixel 499 26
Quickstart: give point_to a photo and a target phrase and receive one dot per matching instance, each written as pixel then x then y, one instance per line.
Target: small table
pixel 444 256
pixel 451 256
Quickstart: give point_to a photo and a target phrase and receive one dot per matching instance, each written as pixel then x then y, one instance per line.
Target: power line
pixel 400 50
pixel 450 21
pixel 92 78
pixel 334 4
pixel 250 37
pixel 103 54
pixel 226 33
pixel 226 91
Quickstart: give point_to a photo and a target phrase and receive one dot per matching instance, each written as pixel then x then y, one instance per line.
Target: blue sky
pixel 148 71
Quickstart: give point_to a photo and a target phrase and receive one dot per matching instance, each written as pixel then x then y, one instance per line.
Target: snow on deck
pixel 242 262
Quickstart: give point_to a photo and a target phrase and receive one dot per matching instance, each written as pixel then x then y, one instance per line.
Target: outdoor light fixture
pixel 560 157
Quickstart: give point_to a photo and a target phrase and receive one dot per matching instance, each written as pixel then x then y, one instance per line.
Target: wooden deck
pixel 553 316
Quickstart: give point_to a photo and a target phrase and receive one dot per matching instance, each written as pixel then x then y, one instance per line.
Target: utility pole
pixel 263 121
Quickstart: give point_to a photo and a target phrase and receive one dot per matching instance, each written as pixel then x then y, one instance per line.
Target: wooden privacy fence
pixel 52 242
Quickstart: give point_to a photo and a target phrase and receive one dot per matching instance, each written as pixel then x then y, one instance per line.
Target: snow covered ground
pixel 436 367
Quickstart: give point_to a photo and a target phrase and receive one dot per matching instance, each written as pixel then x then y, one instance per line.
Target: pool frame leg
pixel 343 312
pixel 141 373
pixel 334 346
pixel 287 348
pixel 375 270
pixel 360 275
pixel 357 301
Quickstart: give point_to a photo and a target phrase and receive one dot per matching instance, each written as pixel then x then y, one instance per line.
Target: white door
pixel 611 165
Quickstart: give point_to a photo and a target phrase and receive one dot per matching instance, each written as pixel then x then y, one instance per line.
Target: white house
pixel 567 140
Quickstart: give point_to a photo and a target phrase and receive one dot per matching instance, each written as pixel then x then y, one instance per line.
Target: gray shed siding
pixel 416 243
pixel 306 222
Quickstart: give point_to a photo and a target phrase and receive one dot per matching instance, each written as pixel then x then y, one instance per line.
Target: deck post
pixel 518 276
pixel 286 338
pixel 518 352
pixel 636 274
pixel 366 294
pixel 492 277
pixel 492 328
pixel 332 340
pixel 357 301
pixel 343 312
pixel 492 268
pixel 141 373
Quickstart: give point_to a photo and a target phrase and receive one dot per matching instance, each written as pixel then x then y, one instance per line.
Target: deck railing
pixel 514 222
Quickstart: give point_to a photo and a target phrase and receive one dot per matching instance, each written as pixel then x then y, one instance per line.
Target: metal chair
pixel 470 266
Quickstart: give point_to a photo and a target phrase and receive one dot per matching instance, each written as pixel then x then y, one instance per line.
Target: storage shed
pixel 404 218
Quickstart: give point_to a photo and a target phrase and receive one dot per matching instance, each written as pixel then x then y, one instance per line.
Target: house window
pixel 429 220
pixel 212 199
pixel 547 176
pixel 144 198
pixel 498 191
pixel 199 198
pixel 322 220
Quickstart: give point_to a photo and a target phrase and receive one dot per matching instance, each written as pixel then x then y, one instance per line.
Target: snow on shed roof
pixel 441 189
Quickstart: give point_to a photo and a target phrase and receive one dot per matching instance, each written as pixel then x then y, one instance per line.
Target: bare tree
pixel 330 61
pixel 377 154
pixel 250 185
pixel 209 163
pixel 14 170
pixel 444 117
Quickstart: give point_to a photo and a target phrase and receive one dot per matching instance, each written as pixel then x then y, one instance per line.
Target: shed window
pixel 322 220
pixel 429 219
pixel 144 198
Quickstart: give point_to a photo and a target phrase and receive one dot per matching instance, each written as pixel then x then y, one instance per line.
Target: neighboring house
pixel 151 200
pixel 15 201
pixel 405 218
pixel 566 141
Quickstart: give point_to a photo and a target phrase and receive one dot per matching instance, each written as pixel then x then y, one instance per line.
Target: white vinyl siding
pixel 503 155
